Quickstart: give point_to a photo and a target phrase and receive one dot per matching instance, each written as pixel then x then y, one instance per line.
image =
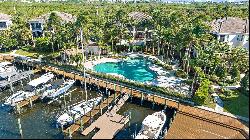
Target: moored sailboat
pixel 77 111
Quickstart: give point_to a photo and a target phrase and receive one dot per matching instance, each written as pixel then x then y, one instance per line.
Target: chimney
pixel 220 22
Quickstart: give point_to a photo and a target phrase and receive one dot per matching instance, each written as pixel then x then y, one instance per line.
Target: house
pixel 141 32
pixel 37 24
pixel 232 30
pixel 5 21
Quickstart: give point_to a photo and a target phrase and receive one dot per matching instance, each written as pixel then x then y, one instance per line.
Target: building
pixel 232 30
pixel 141 32
pixel 37 24
pixel 5 21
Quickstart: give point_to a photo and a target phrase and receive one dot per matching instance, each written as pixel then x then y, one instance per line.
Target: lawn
pixel 36 54
pixel 237 104
pixel 26 53
pixel 210 105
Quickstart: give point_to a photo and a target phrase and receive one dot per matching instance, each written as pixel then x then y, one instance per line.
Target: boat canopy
pixel 57 83
pixel 29 88
pixel 2 64
pixel 43 79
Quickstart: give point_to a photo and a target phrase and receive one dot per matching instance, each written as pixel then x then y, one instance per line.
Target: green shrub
pixel 188 81
pixel 181 73
pixel 167 67
pixel 214 78
pixel 201 95
pixel 244 84
pixel 235 74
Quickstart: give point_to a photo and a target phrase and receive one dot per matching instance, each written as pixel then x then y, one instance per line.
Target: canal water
pixel 39 121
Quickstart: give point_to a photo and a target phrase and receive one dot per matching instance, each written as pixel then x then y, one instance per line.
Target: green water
pixel 134 69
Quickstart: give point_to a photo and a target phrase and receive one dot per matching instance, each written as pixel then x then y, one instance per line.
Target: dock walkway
pixel 110 123
pixel 86 118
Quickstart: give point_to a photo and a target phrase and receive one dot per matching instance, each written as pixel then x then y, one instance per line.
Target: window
pixel 222 38
pixel 33 26
pixel 247 38
pixel 3 25
pixel 240 37
pixel 36 26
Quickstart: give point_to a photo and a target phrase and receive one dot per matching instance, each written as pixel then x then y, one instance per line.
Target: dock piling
pixel 30 102
pixel 64 99
pixel 81 125
pixel 141 98
pixel 21 84
pixel 165 106
pixel 153 103
pixel 135 129
pixel 70 135
pixel 18 109
pixel 62 127
pixel 131 91
pixel 20 127
pixel 70 96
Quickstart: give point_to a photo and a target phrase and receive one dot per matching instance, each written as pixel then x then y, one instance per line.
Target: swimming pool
pixel 136 69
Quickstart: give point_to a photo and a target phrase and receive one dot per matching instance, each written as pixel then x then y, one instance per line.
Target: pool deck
pixel 164 78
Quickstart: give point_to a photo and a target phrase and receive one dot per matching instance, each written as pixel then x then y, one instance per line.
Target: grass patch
pixel 210 105
pixel 33 54
pixel 237 103
pixel 26 53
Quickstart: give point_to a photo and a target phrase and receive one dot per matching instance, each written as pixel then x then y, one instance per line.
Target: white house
pixel 5 21
pixel 140 33
pixel 232 30
pixel 37 24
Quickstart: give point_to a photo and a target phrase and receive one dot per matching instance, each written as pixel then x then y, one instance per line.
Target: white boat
pixel 57 88
pixel 31 89
pixel 77 111
pixel 152 126
pixel 7 69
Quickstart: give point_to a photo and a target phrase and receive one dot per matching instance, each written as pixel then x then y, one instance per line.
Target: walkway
pixel 86 118
pixel 187 127
pixel 110 123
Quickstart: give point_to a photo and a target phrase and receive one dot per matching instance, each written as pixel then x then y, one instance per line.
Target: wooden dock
pixel 27 101
pixel 213 117
pixel 187 127
pixel 86 118
pixel 110 123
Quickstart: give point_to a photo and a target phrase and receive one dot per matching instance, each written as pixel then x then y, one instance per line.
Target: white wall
pixel 231 39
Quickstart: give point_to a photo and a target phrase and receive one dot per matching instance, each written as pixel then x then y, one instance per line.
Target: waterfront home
pixel 5 21
pixel 139 29
pixel 232 30
pixel 37 24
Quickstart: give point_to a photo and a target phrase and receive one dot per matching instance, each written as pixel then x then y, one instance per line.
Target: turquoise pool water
pixel 134 69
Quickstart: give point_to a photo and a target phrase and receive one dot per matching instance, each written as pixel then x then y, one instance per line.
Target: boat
pixel 152 126
pixel 57 88
pixel 33 87
pixel 77 111
pixel 7 70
